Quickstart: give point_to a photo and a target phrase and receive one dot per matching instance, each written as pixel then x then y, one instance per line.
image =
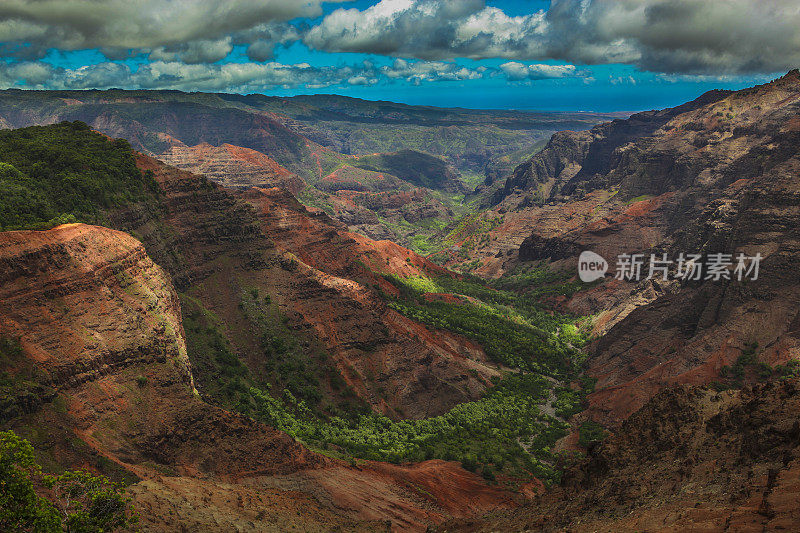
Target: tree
pixel 75 501
pixel 21 509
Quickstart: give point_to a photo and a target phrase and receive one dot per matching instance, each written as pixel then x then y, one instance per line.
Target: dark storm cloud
pixel 732 36
pixel 171 28
pixel 671 36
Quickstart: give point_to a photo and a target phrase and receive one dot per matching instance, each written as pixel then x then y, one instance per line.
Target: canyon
pixel 678 364
pixel 176 336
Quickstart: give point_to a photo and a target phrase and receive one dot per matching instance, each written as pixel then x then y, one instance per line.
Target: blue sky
pixel 568 55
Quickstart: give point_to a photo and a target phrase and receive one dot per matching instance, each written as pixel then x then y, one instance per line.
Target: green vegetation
pixel 639 199
pixel 748 359
pixel 65 173
pixel 537 281
pixel 284 364
pixel 10 348
pixel 75 501
pixel 471 229
pixel 421 236
pixel 789 370
pixel 569 402
pixel 409 165
pixel 452 142
pixel 24 390
pixel 300 370
pixel 422 244
pixel 472 179
pixel 590 432
pixel 312 197
pixel 505 431
pixel 503 165
pixel 747 366
pixel 513 329
pixel 218 370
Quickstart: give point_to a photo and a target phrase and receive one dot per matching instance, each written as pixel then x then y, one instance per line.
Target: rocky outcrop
pixel 579 161
pixel 217 246
pixel 333 291
pixel 232 166
pixel 581 190
pixel 375 497
pixel 100 323
pixel 690 460
pixel 688 334
pixel 87 301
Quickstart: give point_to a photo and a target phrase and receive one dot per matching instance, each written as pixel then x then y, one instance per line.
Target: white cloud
pixel 26 74
pixel 417 28
pixel 417 72
pixel 675 37
pixel 236 77
pixel 518 71
pixel 362 80
pixel 227 77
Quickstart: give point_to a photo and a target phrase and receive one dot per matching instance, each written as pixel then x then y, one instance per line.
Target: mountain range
pixel 390 171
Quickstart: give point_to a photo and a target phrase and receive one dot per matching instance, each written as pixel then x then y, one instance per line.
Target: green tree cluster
pixel 64 173
pixel 514 330
pixel 504 431
pixel 75 501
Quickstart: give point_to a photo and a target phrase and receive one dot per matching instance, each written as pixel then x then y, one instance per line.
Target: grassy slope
pixel 415 167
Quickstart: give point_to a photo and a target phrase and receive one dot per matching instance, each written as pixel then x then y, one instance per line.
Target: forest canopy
pixel 63 173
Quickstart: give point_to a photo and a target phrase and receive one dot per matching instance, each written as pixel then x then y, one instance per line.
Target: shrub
pixel 589 433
